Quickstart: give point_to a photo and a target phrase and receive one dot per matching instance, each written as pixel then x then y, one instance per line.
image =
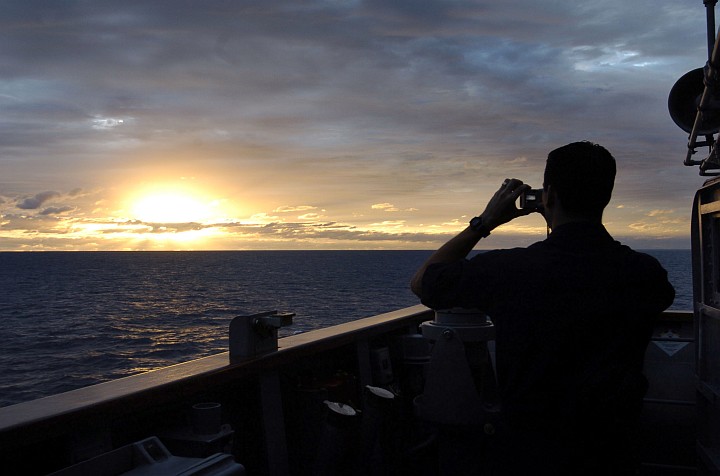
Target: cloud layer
pixel 386 118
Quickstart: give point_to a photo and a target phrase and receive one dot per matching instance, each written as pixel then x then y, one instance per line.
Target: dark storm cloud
pixel 132 37
pixel 56 210
pixel 35 202
pixel 421 67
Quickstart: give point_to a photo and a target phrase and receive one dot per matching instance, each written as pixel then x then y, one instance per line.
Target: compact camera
pixel 532 199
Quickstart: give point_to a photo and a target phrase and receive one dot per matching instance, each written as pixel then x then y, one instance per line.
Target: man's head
pixel 582 175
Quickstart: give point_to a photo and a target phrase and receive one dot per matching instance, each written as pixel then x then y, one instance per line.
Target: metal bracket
pixel 256 334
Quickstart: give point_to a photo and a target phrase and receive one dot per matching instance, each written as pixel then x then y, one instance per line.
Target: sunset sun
pixel 171 206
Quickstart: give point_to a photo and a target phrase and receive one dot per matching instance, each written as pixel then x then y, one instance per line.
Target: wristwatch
pixel 476 224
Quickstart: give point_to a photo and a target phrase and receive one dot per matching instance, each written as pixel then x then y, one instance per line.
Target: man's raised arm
pixel 499 210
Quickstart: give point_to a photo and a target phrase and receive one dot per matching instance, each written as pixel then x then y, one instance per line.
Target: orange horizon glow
pixel 187 214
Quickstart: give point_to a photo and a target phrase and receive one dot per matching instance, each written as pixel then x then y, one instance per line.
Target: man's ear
pixel 550 196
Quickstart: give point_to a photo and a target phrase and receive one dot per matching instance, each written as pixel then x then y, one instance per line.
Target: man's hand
pixel 501 207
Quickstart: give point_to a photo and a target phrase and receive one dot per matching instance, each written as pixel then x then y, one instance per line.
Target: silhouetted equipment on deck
pixel 694 102
pixel 685 97
pixel 699 90
pixel 706 296
pixel 256 334
pixel 460 394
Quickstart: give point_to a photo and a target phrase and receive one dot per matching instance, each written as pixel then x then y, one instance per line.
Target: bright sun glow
pixel 171 207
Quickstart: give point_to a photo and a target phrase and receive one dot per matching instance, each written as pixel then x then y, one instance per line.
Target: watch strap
pixel 477 225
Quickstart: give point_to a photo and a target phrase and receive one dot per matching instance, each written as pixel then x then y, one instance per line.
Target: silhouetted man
pixel 573 316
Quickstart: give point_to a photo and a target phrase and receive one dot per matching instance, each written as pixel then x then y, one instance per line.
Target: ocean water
pixel 69 320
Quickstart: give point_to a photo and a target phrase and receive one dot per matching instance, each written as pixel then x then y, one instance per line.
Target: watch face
pixel 476 224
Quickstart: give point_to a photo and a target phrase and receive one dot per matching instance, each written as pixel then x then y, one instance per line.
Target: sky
pixel 322 124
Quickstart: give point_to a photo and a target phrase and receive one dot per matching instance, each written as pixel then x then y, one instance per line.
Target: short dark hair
pixel 582 175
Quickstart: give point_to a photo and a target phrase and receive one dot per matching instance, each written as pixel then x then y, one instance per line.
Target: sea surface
pixel 72 319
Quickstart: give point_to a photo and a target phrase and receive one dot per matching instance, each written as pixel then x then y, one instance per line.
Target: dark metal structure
pixel 694 105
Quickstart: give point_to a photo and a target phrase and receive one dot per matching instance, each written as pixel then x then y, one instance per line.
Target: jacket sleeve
pixel 459 284
pixel 441 285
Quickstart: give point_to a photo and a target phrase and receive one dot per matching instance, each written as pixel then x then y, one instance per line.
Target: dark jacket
pixel 573 316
